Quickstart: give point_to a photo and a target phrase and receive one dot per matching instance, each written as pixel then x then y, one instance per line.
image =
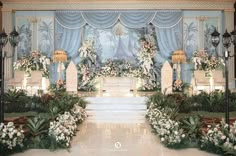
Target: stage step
pixel 115 109
pixel 117 106
pixel 120 100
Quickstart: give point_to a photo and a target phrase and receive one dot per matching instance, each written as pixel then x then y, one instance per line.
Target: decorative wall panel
pixel 190 35
pixel 45 37
pixel 210 24
pixel 24 26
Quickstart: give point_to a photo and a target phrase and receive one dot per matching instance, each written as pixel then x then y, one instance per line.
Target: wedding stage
pixel 202 81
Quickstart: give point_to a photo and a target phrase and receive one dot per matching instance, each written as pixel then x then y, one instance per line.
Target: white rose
pixel 162 139
pixel 235 147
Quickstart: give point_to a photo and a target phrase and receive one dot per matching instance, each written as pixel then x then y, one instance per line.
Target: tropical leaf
pixel 37 126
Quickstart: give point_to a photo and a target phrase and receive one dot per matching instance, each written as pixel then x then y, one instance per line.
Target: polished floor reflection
pixel 116 126
pixel 116 139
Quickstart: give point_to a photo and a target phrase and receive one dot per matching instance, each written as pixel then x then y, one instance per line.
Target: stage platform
pixel 115 94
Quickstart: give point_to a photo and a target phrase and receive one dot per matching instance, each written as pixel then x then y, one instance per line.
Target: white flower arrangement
pixel 10 136
pixel 87 50
pixel 147 51
pixel 34 62
pixel 168 130
pixel 87 66
pixel 116 68
pixel 146 59
pixel 85 73
pixel 202 61
pixel 218 136
pixel 63 129
pixel 79 113
pixel 145 56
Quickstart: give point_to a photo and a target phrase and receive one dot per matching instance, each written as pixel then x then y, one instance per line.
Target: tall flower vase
pixel 208 74
pixel 45 83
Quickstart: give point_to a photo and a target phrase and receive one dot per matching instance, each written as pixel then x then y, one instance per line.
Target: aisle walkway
pixel 112 131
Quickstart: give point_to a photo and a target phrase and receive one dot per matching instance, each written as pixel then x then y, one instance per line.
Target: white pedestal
pixel 118 85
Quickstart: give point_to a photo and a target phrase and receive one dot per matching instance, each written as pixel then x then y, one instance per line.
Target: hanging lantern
pixel 226 39
pixel 14 38
pixel 233 34
pixel 215 38
pixel 3 38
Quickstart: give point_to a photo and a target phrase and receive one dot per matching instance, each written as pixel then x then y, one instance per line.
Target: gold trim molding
pixel 118 4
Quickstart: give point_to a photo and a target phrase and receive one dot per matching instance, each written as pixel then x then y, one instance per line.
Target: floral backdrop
pixel 126 52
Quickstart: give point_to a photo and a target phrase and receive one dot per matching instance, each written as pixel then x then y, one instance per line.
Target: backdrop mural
pixel 119 37
pixel 36 33
pixel 25 28
pixel 45 39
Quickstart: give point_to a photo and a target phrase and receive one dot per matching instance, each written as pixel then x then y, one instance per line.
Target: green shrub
pixel 64 103
pixel 161 100
pixel 192 127
pixel 37 129
pixel 16 101
pixel 182 101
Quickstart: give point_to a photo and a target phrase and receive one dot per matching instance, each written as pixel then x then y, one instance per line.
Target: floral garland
pixel 115 68
pixel 34 62
pixel 202 61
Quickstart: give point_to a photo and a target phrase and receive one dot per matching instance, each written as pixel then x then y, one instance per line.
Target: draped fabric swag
pixel 168 23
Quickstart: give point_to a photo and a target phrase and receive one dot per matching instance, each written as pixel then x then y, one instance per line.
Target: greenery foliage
pixel 37 128
pixel 41 131
pixel 181 132
pixel 192 126
pixel 16 101
pixel 212 102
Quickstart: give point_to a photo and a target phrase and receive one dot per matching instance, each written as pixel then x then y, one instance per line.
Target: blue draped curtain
pixel 168 23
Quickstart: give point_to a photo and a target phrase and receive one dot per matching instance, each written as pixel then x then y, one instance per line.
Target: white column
pixel 229 25
pixel 7 22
